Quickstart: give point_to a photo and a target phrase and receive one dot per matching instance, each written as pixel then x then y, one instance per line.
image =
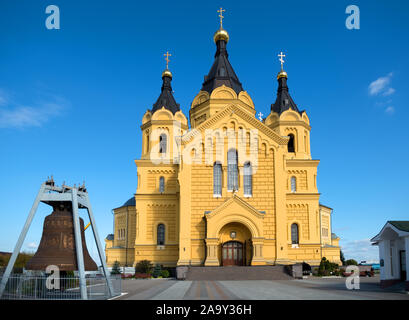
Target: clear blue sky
pixel 72 100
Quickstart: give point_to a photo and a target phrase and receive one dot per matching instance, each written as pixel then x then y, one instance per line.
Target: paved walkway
pixel 307 289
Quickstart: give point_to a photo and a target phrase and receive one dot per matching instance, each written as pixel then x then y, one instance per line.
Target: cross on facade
pixel 281 55
pixel 221 10
pixel 167 55
pixel 260 116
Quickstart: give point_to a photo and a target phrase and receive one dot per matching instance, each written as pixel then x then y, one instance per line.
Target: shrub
pixel 142 275
pixel 327 268
pixel 143 266
pixel 164 273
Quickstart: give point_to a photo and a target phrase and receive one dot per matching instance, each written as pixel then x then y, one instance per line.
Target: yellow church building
pixel 233 189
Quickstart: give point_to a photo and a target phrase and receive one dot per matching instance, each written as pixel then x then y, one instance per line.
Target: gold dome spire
pixel 166 72
pixel 282 73
pixel 221 34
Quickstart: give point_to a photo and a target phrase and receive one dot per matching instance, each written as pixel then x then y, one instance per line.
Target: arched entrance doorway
pixel 235 245
pixel 232 253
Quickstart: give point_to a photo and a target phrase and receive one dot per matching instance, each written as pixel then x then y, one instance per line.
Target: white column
pixel 396 260
pixel 384 253
pixel 407 257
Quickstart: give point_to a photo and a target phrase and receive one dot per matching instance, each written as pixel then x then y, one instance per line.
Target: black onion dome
pixel 221 72
pixel 166 98
pixel 284 100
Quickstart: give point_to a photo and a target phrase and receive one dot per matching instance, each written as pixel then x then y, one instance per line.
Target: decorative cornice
pixel 149 163
pixel 302 163
pixel 161 171
pixel 212 101
pixel 302 196
pixel 241 113
pixel 162 122
pixel 166 205
pixel 290 123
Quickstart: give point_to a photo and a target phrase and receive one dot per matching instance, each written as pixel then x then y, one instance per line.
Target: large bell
pixel 57 246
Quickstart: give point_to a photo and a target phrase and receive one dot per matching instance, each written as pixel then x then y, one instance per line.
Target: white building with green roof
pixel 393 243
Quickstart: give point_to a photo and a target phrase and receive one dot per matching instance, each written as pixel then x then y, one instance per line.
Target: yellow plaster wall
pixel 189 188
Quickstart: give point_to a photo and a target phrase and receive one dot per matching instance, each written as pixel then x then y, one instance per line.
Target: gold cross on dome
pixel 221 10
pixel 167 55
pixel 281 55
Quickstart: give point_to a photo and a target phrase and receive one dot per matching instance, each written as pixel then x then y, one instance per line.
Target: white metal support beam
pixel 20 240
pixel 99 247
pixel 78 244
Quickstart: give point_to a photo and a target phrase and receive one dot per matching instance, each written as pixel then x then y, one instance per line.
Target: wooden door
pixel 232 253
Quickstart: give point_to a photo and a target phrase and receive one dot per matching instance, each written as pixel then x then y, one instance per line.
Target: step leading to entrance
pixel 238 273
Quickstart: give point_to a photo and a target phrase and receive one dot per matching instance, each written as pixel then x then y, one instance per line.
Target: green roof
pixel 401 225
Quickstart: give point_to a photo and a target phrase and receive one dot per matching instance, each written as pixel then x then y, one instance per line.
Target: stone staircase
pixel 238 273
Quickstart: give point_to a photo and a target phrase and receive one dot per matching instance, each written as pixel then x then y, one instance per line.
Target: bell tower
pixel 287 120
pixel 163 123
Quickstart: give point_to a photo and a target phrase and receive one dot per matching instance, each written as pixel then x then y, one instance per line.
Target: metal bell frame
pixel 80 200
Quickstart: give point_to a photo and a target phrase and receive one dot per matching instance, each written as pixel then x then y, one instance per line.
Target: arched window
pixel 293 184
pixel 232 170
pixel 162 143
pixel 248 179
pixel 217 179
pixel 161 184
pixel 291 144
pixel 294 233
pixel 161 234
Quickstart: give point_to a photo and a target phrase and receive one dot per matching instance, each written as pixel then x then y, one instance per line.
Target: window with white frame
pixel 232 170
pixel 248 179
pixel 294 234
pixel 217 179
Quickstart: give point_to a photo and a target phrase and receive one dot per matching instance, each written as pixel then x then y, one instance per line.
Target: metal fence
pixel 28 287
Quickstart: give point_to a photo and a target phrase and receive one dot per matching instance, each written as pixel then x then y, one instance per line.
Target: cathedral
pixel 226 186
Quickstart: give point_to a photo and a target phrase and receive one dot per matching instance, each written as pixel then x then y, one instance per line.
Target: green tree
pixel 22 259
pixel 157 271
pixel 351 262
pixel 342 258
pixel 115 268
